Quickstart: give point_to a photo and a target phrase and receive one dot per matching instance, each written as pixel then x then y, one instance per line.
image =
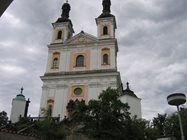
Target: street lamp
pixel 177 99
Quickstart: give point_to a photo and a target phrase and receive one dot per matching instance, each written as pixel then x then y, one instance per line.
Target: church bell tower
pixel 63 27
pixel 19 107
pixel 106 23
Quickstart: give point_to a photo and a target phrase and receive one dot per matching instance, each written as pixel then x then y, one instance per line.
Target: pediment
pixel 81 38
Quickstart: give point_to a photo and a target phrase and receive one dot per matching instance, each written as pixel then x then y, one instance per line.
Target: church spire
pixel 65 10
pixel 129 92
pixel 21 91
pixel 106 22
pixel 63 27
pixel 65 13
pixel 128 85
pixel 106 9
pixel 106 6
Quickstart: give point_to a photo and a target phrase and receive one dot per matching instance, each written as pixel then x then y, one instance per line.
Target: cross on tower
pixel 22 90
pixel 127 85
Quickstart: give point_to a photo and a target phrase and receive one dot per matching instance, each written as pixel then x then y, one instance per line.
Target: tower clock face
pixel 78 91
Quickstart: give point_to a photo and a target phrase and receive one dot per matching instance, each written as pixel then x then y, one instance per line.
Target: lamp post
pixel 177 99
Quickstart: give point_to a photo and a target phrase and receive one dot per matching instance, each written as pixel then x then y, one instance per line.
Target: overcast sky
pixel 152 39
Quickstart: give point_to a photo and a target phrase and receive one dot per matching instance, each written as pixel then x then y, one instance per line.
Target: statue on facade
pixel 65 10
pixel 106 6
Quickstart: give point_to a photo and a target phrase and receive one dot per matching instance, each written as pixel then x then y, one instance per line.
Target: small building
pixel 19 107
pixel 128 96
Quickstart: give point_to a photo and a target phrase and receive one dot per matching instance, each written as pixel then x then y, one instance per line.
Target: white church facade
pixel 81 66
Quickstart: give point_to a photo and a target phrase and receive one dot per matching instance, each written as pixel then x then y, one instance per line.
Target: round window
pixel 78 91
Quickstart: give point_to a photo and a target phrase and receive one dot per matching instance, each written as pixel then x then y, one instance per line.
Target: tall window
pixel 55 63
pixel 49 110
pixel 105 56
pixel 80 61
pixel 59 35
pixel 105 59
pixel 55 60
pixel 50 104
pixel 105 30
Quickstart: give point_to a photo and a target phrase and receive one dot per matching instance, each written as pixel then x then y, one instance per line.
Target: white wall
pixel 18 108
pixel 95 57
pixel 134 103
pixel 58 89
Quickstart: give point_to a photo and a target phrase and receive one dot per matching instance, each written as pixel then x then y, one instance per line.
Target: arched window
pixel 55 63
pixel 49 110
pixel 55 60
pixel 50 104
pixel 105 59
pixel 105 30
pixel 105 56
pixel 59 35
pixel 80 61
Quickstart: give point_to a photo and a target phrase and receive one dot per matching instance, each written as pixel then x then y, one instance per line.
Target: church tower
pixel 19 107
pixel 106 22
pixel 63 27
pixel 79 66
pixel 128 96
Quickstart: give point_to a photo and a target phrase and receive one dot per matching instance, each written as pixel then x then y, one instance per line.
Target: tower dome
pixel 65 13
pixel 129 92
pixel 106 9
pixel 20 96
pixel 65 10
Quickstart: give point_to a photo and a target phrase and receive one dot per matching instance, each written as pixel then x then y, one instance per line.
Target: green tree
pixel 49 130
pixel 172 126
pixel 22 124
pixel 103 118
pixel 139 129
pixel 159 123
pixel 169 125
pixel 3 119
pixel 108 119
